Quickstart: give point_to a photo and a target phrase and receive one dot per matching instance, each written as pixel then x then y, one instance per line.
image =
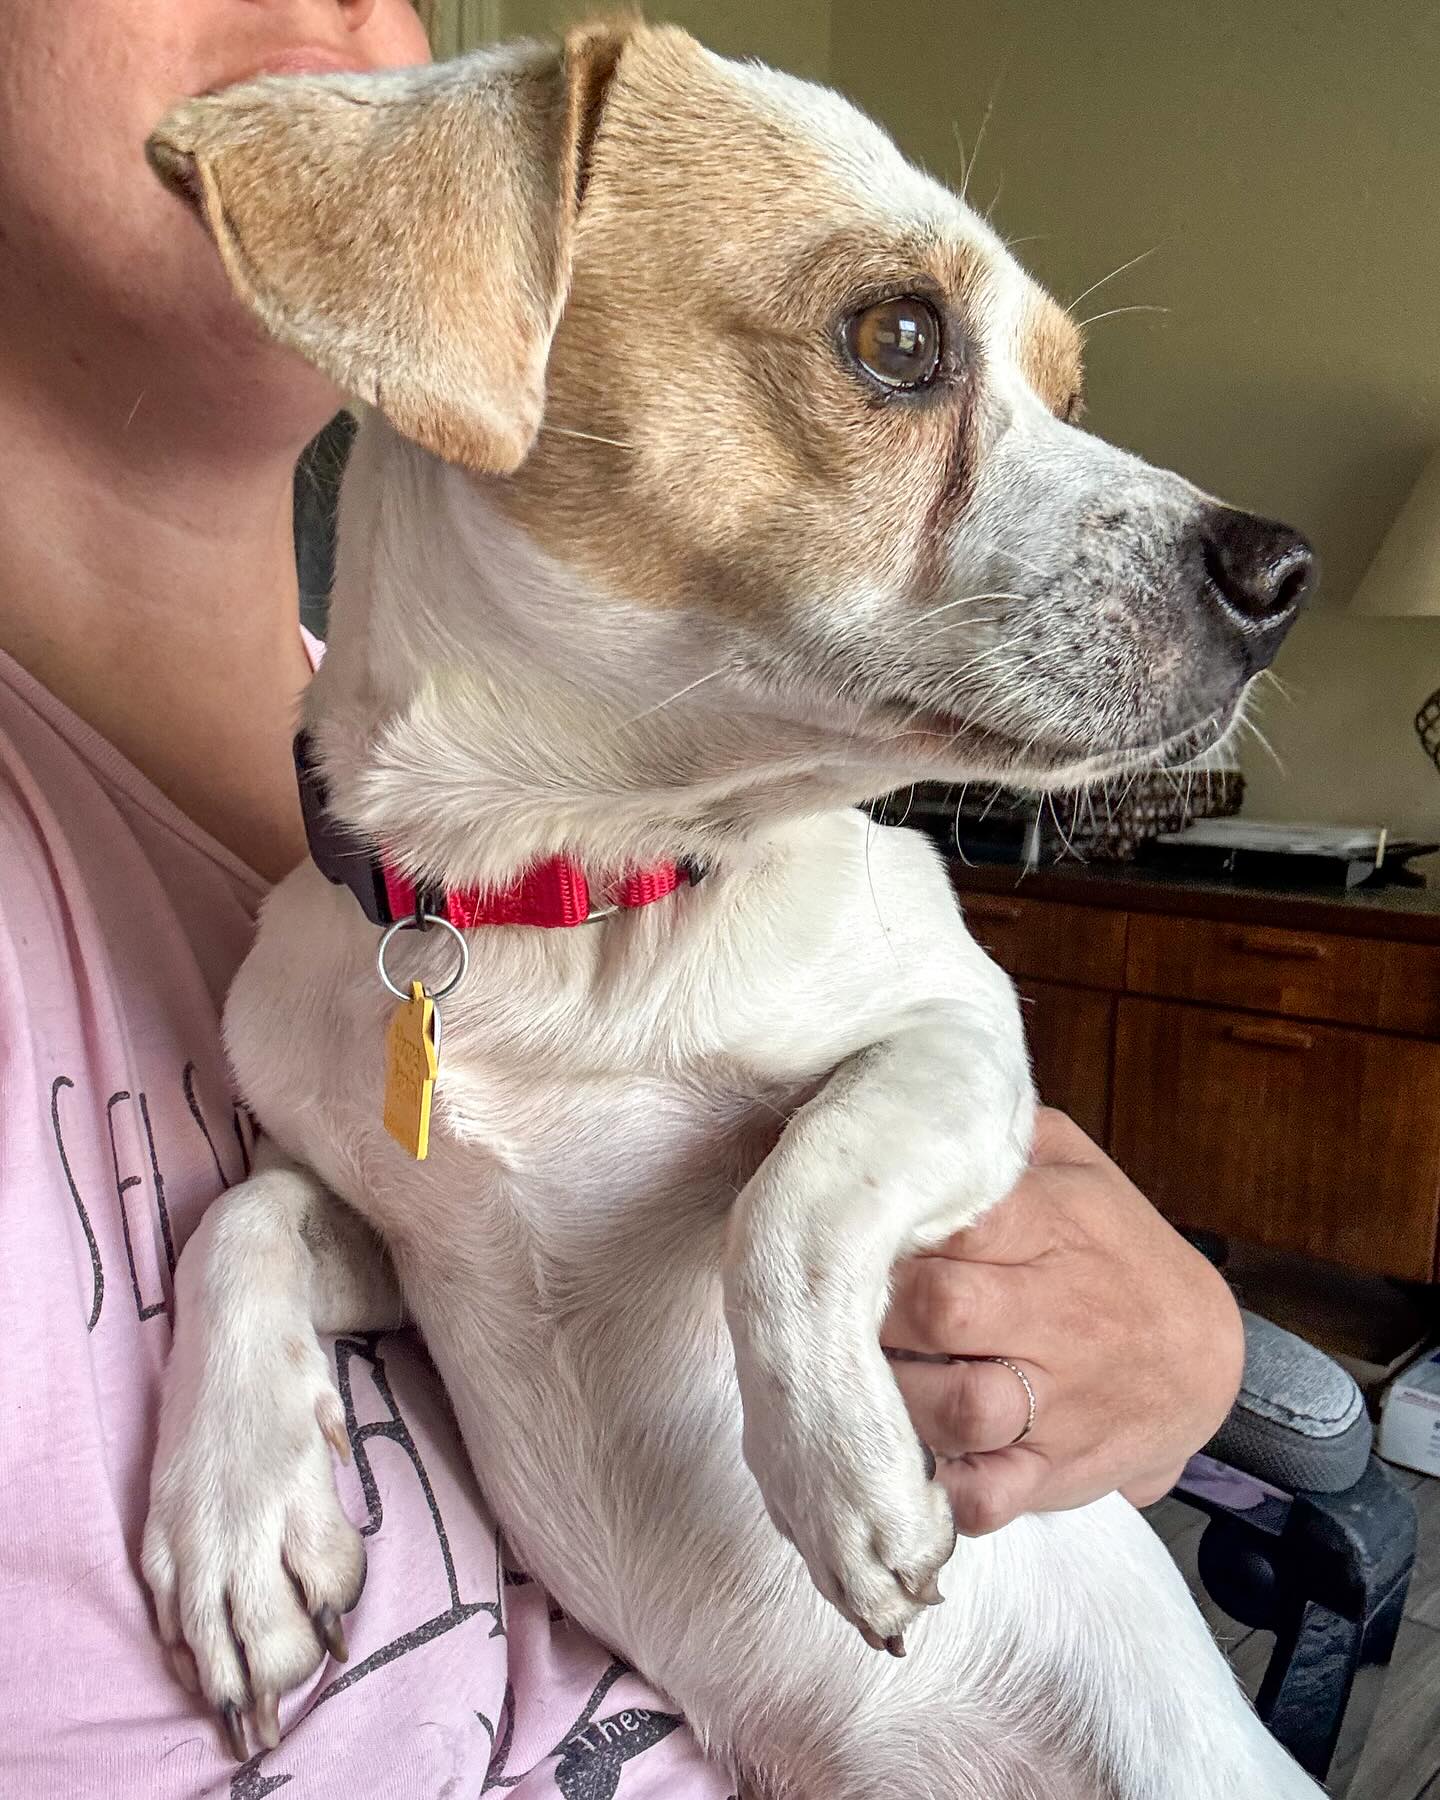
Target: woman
pixel 150 667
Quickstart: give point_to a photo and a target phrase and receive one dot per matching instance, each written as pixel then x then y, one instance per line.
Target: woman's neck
pixel 153 591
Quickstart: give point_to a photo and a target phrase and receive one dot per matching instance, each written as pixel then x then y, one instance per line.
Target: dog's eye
pixel 896 341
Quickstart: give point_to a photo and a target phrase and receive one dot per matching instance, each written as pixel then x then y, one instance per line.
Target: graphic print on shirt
pixel 592 1752
pixel 250 1783
pixel 589 1755
pixel 149 1228
pixel 452 1610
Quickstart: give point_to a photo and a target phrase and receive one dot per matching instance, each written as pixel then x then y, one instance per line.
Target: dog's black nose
pixel 1258 574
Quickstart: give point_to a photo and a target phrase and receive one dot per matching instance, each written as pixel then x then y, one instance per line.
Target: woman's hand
pixel 1129 1338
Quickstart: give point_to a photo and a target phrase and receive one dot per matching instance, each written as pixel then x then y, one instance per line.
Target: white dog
pixel 724 474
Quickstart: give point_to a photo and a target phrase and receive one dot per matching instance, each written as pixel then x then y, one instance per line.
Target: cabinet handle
pixel 1272 1036
pixel 1255 943
pixel 1004 912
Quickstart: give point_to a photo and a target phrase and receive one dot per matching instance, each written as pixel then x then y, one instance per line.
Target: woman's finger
pixel 988 1492
pixel 941 1307
pixel 1060 1142
pixel 1146 1490
pixel 960 1408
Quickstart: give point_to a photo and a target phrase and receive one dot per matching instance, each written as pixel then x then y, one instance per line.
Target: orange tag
pixel 412 1061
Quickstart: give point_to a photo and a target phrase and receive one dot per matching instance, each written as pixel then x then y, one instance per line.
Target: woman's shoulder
pixel 88 842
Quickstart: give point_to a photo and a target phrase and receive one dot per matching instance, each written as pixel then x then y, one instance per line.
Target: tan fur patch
pixel 1051 355
pixel 719 251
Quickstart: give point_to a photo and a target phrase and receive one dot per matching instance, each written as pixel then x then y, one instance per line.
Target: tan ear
pixel 408 233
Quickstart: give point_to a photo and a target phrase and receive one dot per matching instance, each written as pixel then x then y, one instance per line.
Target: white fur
pixel 675 1158
pixel 811 1030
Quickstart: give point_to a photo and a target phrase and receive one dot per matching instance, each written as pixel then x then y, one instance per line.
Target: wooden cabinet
pixel 1301 974
pixel 1071 1033
pixel 1052 942
pixel 1263 1065
pixel 1313 1138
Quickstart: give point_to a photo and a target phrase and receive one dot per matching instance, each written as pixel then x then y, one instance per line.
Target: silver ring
pixel 1015 1369
pixel 411 924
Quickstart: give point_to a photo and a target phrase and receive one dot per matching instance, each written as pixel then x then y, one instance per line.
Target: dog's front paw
pixel 846 1481
pixel 248 1554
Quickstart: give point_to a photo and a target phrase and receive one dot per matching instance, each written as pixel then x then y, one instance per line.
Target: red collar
pixel 553 893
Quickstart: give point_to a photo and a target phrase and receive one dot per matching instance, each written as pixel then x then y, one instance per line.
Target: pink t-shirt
pixel 121 924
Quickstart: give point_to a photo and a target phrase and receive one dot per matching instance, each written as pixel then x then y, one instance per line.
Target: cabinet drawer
pixel 1048 940
pixel 1300 974
pixel 1302 1137
pixel 1071 1033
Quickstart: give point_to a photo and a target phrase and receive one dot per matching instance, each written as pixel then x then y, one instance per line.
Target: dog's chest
pixel 607 1141
pixel 564 1201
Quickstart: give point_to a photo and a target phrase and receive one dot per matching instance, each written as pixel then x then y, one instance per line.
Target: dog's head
pixel 720 353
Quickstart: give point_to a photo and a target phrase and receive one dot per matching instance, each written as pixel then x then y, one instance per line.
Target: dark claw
pixel 331 1632
pixel 267 1720
pixel 896 1645
pixel 872 1638
pixel 235 1732
pixel 929 1462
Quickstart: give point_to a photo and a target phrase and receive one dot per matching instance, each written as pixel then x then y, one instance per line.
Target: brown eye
pixel 897 341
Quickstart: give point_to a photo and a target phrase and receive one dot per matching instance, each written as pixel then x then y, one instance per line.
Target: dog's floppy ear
pixel 410 234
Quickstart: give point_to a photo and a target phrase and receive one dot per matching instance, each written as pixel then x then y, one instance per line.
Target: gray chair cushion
pixel 1299 1421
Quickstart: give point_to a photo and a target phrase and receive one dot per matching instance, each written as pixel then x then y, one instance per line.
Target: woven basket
pixel 1104 823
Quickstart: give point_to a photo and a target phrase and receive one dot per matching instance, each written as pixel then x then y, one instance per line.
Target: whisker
pixel 1266 745
pixel 1115 312
pixel 953 605
pixel 870 880
pixel 940 630
pixel 1013 556
pixel 1095 286
pixel 679 694
pixel 589 437
pixel 968 164
pixel 959 808
pixel 1282 688
pixel 964 600
pixel 1059 827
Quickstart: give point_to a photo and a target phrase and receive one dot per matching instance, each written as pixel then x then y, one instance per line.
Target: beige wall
pixel 1281 159
pixel 458 25
pixel 792 34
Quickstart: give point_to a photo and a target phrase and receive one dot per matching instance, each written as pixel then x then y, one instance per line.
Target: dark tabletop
pixel 1410 914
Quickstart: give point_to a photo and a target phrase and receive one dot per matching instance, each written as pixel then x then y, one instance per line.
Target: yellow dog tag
pixel 412 1061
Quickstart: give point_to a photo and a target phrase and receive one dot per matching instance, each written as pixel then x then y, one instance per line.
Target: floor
pixel 1401 1758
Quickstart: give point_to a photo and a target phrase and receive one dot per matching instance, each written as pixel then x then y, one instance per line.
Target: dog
pixel 720 472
